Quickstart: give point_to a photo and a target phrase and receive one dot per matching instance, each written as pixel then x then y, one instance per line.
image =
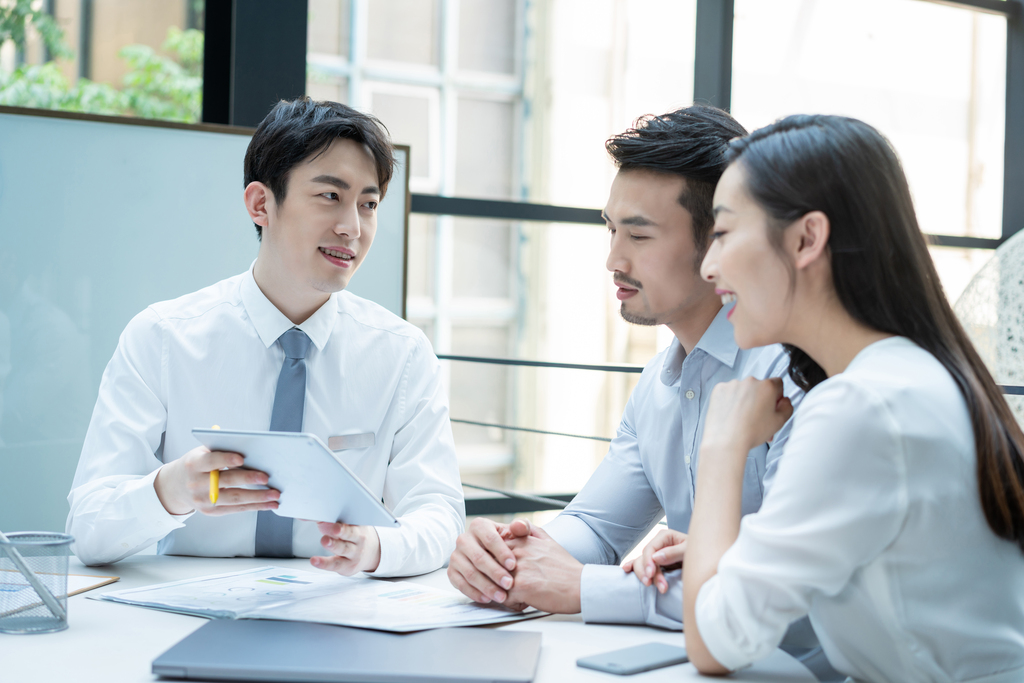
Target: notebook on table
pixel 300 652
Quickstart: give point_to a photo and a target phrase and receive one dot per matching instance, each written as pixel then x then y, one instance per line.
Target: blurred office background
pixel 511 101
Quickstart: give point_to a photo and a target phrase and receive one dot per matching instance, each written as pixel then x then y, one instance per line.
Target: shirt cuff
pixel 147 508
pixel 608 595
pixel 712 622
pixel 391 542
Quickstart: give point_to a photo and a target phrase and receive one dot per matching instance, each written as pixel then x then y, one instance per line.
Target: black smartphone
pixel 633 660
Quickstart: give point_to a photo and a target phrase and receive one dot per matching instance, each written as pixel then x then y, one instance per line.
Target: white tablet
pixel 314 484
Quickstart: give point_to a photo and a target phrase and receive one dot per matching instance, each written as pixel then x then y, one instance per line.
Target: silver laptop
pixel 260 650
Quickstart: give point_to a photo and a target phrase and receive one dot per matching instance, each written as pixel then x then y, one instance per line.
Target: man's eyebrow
pixel 332 180
pixel 638 221
pixel 338 182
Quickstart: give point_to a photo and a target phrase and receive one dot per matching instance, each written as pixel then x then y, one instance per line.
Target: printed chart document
pixel 297 595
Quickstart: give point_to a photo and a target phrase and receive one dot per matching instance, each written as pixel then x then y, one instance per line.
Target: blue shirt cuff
pixel 608 595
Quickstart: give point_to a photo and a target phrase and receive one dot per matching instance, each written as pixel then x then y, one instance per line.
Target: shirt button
pixel 690 394
pixel 687 460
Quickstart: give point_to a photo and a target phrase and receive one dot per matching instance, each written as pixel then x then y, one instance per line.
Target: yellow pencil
pixel 214 480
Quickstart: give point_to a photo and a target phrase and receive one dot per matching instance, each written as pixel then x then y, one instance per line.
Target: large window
pixel 515 99
pixel 931 78
pixel 508 99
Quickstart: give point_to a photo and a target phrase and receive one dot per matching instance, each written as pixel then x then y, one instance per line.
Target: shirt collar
pixel 717 341
pixel 270 323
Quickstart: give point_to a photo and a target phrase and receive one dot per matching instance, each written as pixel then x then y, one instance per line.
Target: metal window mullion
pixel 85 15
pixel 712 62
pixel 331 65
pixel 358 27
pixel 444 253
pixel 514 328
pixel 1013 154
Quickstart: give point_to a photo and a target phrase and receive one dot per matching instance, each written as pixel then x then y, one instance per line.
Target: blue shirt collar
pixel 717 341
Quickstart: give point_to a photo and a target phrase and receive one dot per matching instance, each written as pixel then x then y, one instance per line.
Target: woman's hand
pixel 744 413
pixel 664 552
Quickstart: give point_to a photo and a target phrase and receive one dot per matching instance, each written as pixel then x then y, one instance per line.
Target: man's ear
pixel 811 238
pixel 258 201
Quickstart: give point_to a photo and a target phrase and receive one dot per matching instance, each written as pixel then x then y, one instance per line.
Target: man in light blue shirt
pixel 659 217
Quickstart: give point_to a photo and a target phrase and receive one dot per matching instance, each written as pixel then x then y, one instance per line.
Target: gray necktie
pixel 274 533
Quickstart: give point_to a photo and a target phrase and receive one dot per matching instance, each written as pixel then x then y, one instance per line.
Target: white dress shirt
pixel 650 471
pixel 874 527
pixel 211 357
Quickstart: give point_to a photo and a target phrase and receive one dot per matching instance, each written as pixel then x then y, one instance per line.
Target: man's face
pixel 320 234
pixel 652 256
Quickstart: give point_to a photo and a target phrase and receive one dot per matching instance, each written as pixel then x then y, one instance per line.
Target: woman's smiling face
pixel 746 267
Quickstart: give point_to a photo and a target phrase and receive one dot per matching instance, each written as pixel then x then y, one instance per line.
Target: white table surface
pixel 112 643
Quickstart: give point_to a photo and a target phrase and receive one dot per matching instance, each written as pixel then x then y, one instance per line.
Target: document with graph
pixel 297 595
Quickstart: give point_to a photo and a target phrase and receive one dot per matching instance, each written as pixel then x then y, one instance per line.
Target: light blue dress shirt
pixel 651 468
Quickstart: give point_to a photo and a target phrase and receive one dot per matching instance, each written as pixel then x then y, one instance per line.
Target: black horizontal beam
pixel 1006 8
pixel 547 213
pixel 1011 390
pixel 530 430
pixel 542 364
pixel 519 495
pixel 500 505
pixel 963 241
pixel 512 211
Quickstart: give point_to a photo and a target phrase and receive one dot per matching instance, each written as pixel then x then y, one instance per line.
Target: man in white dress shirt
pixel 659 219
pixel 314 175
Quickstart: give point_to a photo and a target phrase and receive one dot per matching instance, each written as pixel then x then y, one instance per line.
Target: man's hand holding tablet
pixel 314 484
pixel 183 485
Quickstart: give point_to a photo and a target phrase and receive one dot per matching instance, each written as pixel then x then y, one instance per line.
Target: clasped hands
pixel 519 565
pixel 183 485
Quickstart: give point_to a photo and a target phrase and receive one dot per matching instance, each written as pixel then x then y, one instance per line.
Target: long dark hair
pixel 883 274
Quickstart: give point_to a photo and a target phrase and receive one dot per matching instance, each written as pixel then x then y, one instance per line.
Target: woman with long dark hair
pixel 896 518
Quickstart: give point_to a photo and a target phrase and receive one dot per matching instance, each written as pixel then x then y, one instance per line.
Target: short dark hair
pixel 688 142
pixel 299 129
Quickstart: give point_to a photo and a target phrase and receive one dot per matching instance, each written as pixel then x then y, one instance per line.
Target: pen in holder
pixel 33 582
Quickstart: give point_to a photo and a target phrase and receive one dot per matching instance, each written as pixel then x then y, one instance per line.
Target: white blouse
pixel 874 527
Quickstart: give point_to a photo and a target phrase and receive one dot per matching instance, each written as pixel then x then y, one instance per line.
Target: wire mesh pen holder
pixel 22 609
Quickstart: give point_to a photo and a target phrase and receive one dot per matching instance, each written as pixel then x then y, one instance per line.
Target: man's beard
pixel 622 279
pixel 636 319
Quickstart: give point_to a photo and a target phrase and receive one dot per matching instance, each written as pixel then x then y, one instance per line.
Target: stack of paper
pixel 297 595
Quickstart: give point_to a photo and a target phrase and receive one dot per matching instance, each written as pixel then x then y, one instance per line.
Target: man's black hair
pixel 297 130
pixel 689 142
